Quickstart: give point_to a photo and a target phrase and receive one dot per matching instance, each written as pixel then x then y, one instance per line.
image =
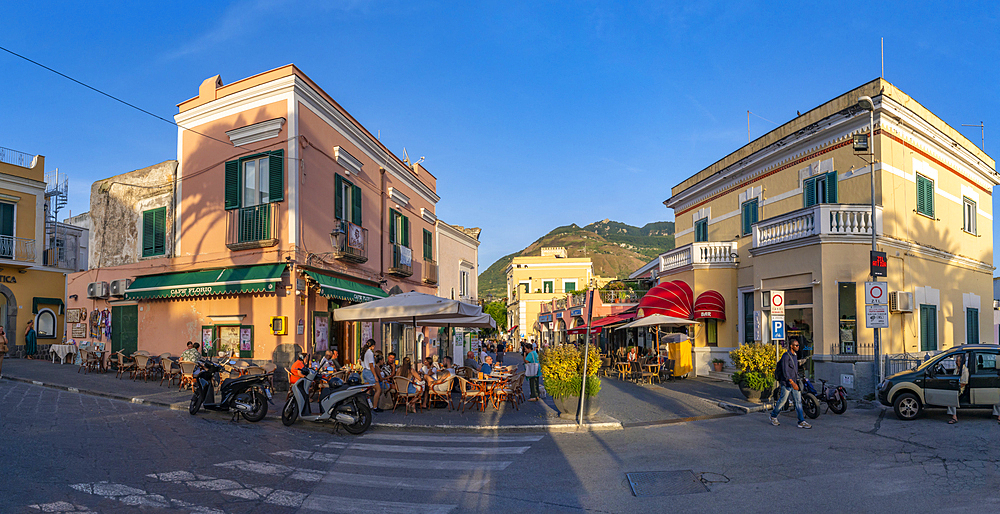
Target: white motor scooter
pixel 347 404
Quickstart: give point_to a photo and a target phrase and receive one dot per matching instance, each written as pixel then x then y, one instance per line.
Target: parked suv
pixel 934 383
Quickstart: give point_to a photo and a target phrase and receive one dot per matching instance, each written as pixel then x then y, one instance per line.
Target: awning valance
pixel 46 301
pixel 245 279
pixel 710 304
pixel 612 320
pixel 333 287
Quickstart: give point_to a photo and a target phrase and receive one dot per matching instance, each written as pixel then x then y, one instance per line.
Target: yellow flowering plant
pixel 562 367
pixel 755 365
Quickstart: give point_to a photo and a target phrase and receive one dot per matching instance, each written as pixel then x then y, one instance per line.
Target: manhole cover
pixel 665 483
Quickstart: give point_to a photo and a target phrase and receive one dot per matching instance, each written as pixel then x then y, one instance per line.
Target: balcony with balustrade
pixel 17 251
pixel 578 300
pixel 700 255
pixel 816 224
pixel 252 227
pixel 350 242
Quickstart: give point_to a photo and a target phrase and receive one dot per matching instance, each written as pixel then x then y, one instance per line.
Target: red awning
pixel 673 298
pixel 583 330
pixel 610 320
pixel 515 328
pixel 710 304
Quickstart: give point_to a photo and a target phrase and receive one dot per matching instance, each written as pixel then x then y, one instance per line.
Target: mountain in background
pixel 616 248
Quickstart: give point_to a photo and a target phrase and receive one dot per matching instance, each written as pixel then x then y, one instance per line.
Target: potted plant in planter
pixel 718 364
pixel 562 367
pixel 754 370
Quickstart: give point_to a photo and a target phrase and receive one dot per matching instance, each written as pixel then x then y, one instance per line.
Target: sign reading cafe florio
pixel 209 290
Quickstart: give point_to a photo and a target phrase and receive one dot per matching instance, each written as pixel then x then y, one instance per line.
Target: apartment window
pixel 928 328
pixel 428 245
pixel 46 324
pixel 547 287
pixel 848 326
pixel 925 196
pixel 971 326
pixel 255 180
pixel 969 215
pixel 701 230
pixel 399 228
pixel 749 216
pixel 6 219
pixel 154 232
pixel 820 189
pixel 569 286
pixel 347 201
pixel 712 332
pixel 463 283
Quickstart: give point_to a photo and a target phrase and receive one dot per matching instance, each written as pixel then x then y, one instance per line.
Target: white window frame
pixel 969 215
pixel 261 190
pixel 55 323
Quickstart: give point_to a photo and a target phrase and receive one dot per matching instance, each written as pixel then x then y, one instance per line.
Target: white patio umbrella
pixel 407 307
pixel 481 321
pixel 658 320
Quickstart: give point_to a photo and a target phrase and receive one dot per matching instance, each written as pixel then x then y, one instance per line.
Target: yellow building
pixel 537 279
pixel 29 289
pixel 791 211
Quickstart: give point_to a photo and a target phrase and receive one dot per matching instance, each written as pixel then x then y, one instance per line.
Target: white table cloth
pixel 61 351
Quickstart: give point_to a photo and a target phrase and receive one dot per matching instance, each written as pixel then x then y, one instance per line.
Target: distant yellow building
pixel 537 279
pixel 791 211
pixel 30 289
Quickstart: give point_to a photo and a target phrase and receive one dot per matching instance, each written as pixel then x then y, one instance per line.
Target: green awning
pixel 46 301
pixel 246 279
pixel 333 287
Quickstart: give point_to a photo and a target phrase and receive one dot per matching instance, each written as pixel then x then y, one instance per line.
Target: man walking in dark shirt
pixel 787 374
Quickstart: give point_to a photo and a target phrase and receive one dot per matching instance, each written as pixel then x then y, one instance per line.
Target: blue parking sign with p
pixel 777 329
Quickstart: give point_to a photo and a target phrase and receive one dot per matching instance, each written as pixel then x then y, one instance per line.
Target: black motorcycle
pixel 247 395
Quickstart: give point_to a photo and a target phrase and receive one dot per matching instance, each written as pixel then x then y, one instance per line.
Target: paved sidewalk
pixel 623 404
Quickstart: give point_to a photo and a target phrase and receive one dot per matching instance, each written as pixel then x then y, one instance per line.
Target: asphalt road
pixel 66 452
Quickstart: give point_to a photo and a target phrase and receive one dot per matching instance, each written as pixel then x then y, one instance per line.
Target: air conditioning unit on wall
pixel 97 290
pixel 118 287
pixel 900 301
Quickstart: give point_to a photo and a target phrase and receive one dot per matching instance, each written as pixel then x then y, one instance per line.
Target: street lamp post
pixel 866 103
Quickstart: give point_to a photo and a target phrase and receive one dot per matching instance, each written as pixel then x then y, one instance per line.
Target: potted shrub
pixel 562 367
pixel 754 370
pixel 718 364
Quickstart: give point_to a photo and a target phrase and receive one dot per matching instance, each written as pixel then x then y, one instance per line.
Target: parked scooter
pixel 347 404
pixel 834 397
pixel 810 403
pixel 247 396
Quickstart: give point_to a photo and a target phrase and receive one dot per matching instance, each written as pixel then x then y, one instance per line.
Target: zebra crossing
pixel 376 473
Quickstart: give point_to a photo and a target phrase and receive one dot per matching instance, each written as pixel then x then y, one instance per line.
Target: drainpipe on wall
pixel 381 246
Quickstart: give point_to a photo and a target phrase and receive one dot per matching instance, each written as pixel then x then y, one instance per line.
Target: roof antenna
pixel 406 157
pixel 982 130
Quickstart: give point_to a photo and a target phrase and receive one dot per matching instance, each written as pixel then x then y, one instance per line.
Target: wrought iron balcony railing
pixel 350 242
pixel 17 249
pixel 252 227
pixel 402 261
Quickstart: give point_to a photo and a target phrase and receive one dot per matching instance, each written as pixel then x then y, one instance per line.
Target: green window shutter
pixel 356 205
pixel 148 233
pixel 338 196
pixel 930 197
pixel 392 226
pixel 972 326
pixel 701 230
pixel 746 219
pixel 160 231
pixel 406 231
pixel 428 245
pixel 810 192
pixel 925 196
pixel 232 184
pixel 831 187
pixel 276 175
pixel 569 286
pixel 928 328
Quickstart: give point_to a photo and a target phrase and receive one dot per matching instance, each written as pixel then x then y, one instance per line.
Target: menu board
pixel 246 339
pixel 321 327
pixel 206 339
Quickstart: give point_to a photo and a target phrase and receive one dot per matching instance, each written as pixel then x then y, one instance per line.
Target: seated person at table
pixel 438 384
pixel 389 367
pixel 428 368
pixel 296 370
pixel 191 354
pixel 330 361
pixel 416 385
pixel 487 366
pixel 470 361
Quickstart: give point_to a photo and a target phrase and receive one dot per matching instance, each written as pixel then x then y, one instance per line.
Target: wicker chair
pixel 442 391
pixel 270 367
pixel 142 367
pixel 187 375
pixel 471 393
pixel 124 364
pixel 169 372
pixel 403 396
pixel 510 391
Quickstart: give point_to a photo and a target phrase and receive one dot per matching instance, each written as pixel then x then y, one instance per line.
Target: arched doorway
pixel 8 318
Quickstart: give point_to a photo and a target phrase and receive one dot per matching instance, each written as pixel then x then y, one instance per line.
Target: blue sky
pixel 530 114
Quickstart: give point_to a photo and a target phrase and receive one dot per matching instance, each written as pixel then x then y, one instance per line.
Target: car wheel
pixel 907 406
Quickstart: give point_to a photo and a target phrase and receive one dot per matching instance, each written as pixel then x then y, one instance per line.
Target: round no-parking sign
pixel 876 293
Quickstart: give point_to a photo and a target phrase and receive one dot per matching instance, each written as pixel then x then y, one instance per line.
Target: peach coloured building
pixel 281 208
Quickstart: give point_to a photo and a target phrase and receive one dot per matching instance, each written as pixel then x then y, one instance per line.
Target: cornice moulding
pixel 256 132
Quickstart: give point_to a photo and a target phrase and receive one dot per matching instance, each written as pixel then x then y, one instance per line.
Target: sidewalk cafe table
pixel 62 351
pixel 489 387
